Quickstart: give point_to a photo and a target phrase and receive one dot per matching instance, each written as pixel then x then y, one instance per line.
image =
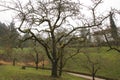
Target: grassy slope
pixel 16 73
pixel 110 62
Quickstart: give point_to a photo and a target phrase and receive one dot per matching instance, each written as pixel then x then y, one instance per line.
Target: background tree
pixel 3 30
pixel 92 64
pixel 8 40
pixel 114 31
pixel 9 35
pixel 114 34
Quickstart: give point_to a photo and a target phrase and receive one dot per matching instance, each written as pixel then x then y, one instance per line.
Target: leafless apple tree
pixel 47 17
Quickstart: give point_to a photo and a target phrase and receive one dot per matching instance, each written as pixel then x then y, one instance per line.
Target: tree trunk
pixel 93 76
pixel 14 61
pixel 36 61
pixel 93 72
pixel 61 64
pixel 36 66
pixel 60 71
pixel 43 65
pixel 54 69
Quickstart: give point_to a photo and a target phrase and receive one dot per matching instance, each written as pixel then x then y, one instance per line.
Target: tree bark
pixel 36 66
pixel 61 64
pixel 54 69
pixel 60 72
pixel 14 61
pixel 93 72
pixel 36 61
pixel 93 76
pixel 43 64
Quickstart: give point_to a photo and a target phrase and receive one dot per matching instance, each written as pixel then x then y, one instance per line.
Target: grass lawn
pixel 110 62
pixel 8 72
pixel 110 66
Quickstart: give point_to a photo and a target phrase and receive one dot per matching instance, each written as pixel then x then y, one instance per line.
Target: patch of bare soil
pixel 24 64
pixel 4 62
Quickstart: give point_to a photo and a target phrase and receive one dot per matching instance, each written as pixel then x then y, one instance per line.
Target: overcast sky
pixel 6 17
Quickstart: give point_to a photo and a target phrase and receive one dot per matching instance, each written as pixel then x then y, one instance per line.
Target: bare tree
pixel 48 17
pixel 92 64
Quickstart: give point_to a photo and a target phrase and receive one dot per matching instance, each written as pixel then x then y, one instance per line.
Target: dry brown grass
pixel 23 64
pixel 4 62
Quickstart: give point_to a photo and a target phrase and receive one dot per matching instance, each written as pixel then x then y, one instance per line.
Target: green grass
pixel 1 51
pixel 110 62
pixel 16 73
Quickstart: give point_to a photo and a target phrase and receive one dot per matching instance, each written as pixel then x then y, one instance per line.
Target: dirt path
pixel 85 76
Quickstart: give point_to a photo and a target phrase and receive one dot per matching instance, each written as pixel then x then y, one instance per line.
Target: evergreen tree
pixel 114 32
pixel 8 35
